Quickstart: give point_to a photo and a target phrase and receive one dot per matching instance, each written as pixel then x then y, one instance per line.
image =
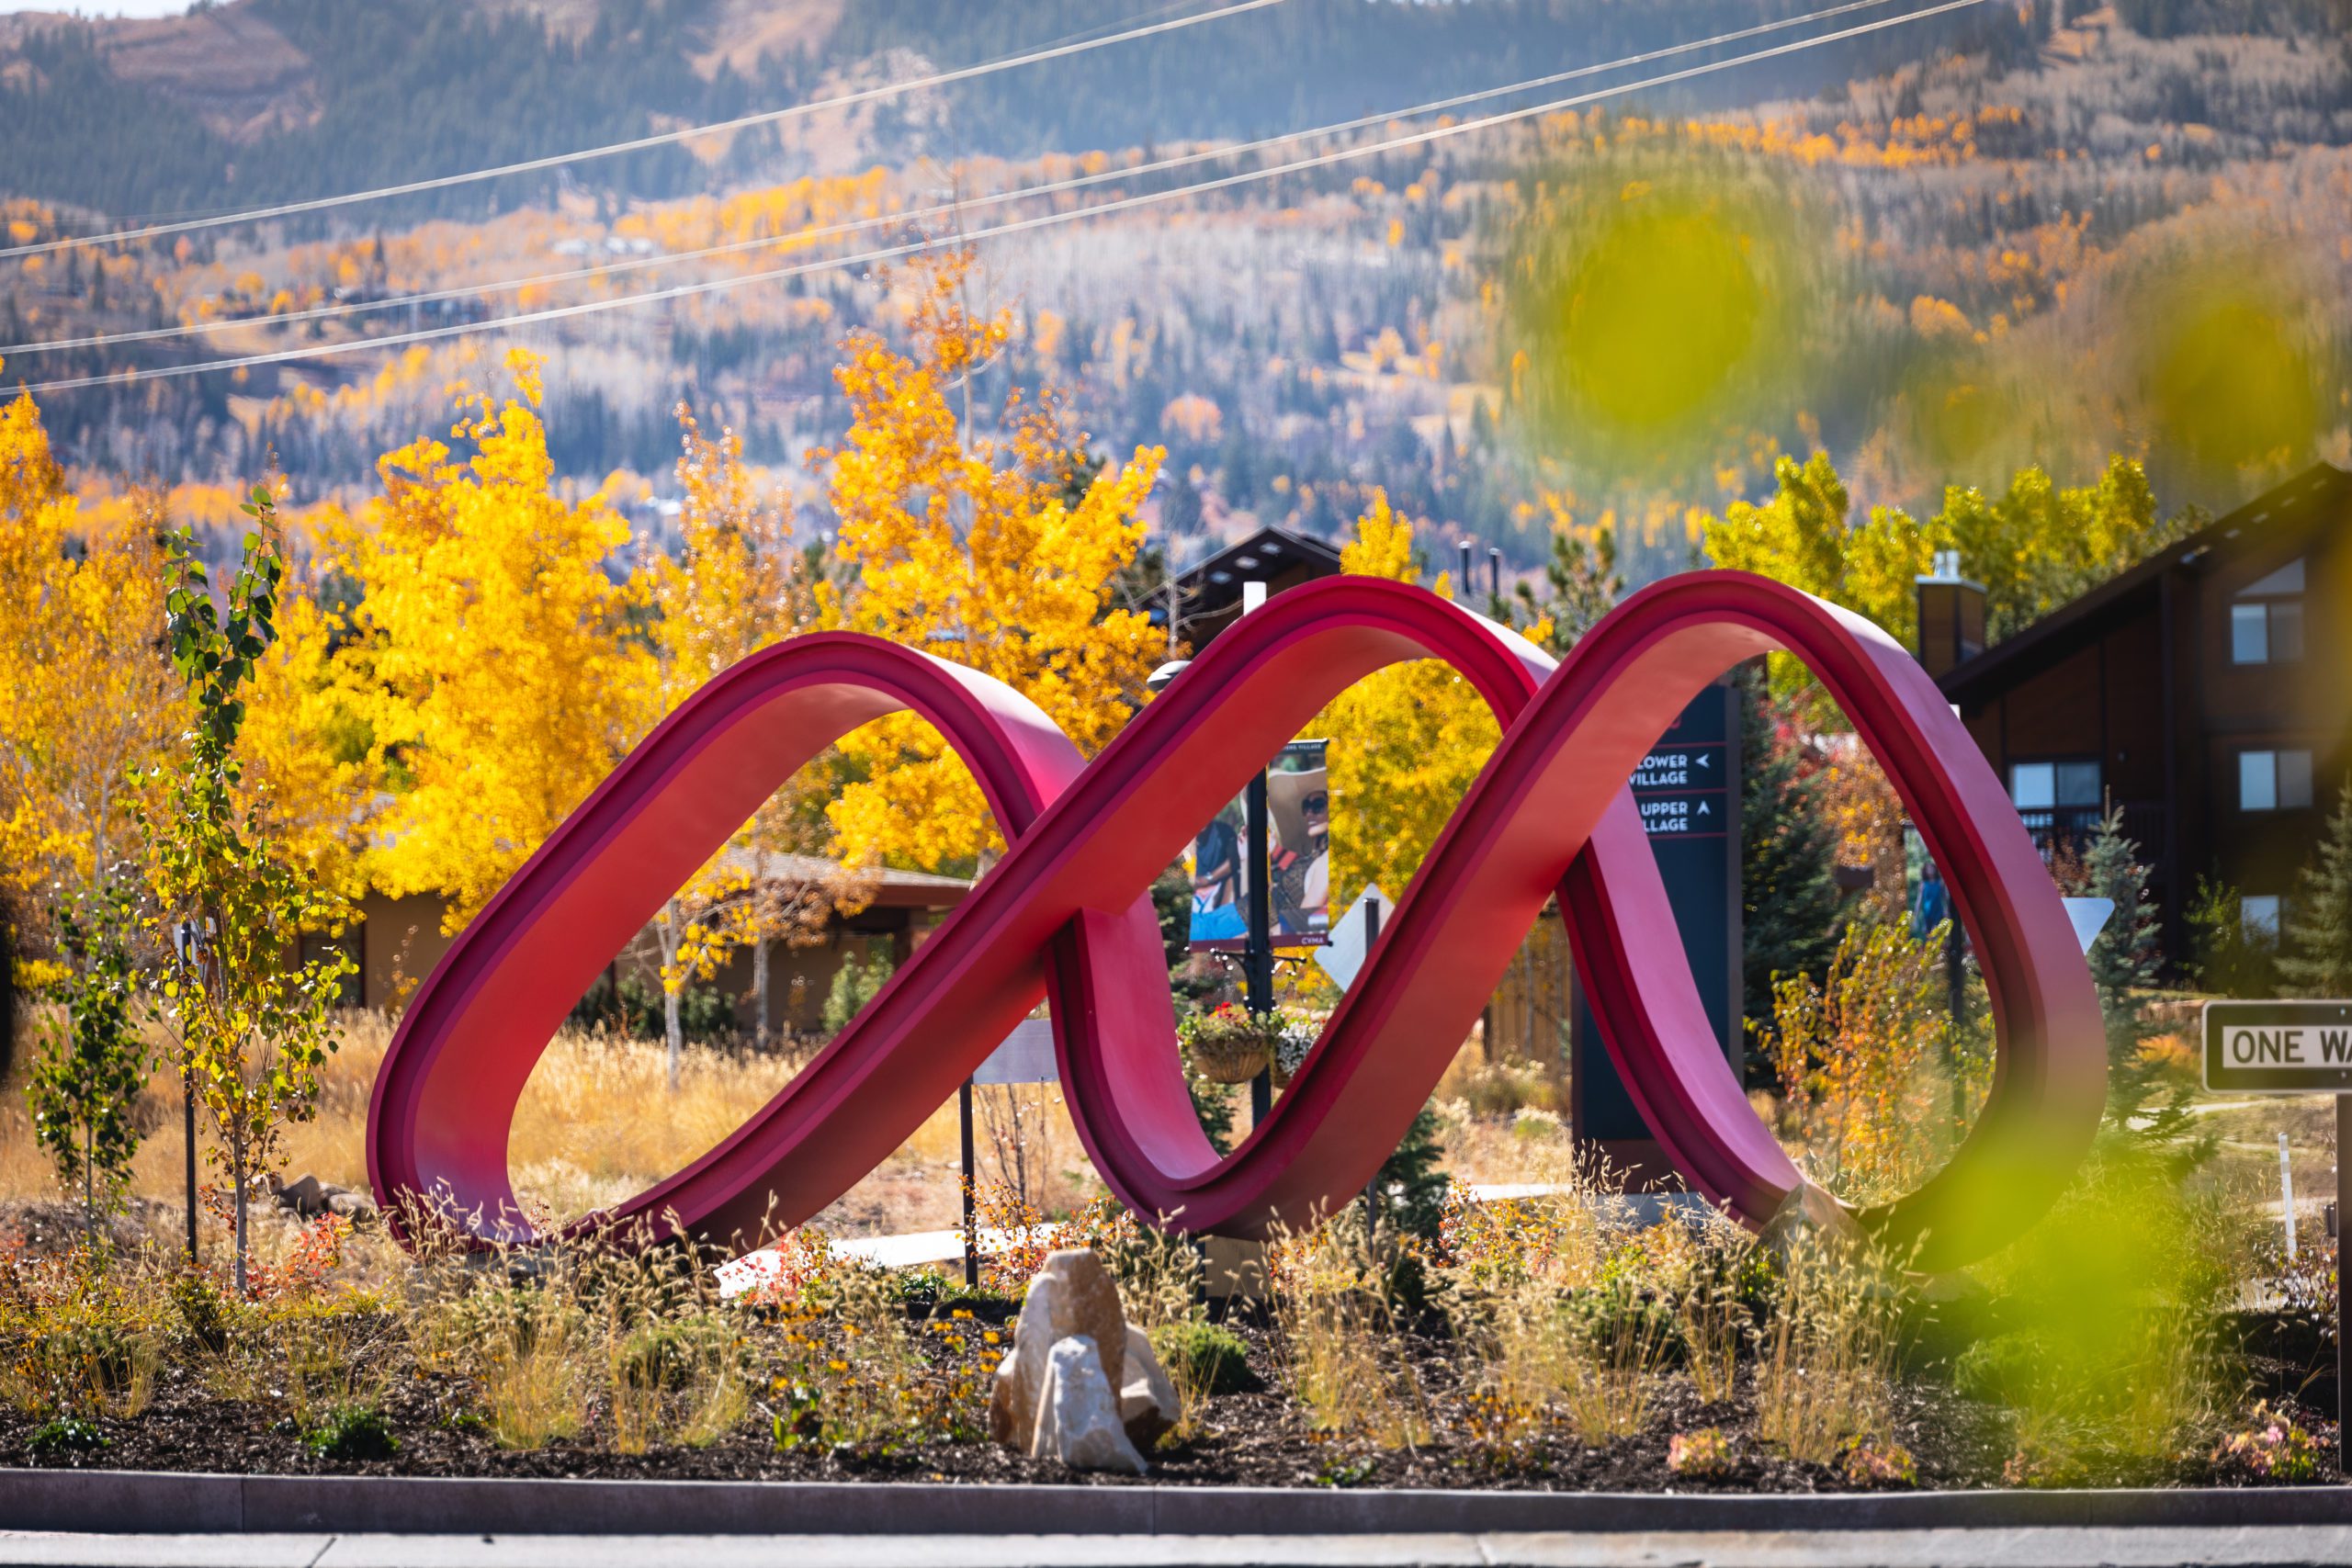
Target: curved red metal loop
pixel 1065 917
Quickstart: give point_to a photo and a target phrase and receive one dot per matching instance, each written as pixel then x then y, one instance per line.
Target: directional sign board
pixel 1687 789
pixel 2279 1047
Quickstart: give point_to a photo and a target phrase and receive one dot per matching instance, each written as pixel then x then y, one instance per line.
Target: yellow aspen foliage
pixel 1866 1095
pixel 308 769
pixel 734 587
pixel 497 661
pixel 2039 544
pixel 84 695
pixel 1405 741
pixel 2034 546
pixel 1802 537
pixel 999 551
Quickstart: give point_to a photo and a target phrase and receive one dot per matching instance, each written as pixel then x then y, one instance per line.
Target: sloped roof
pixel 2321 494
pixel 916 889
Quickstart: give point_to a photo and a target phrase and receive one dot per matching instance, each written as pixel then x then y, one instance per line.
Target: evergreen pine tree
pixel 1413 1181
pixel 2315 938
pixel 1791 911
pixel 2124 959
pixel 2226 958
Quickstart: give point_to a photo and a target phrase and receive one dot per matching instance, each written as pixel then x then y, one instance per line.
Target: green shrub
pixel 2000 1370
pixel 1620 1315
pixel 1202 1357
pixel 917 1290
pixel 352 1431
pixel 855 984
pixel 706 1014
pixel 64 1435
pixel 202 1310
pixel 657 1355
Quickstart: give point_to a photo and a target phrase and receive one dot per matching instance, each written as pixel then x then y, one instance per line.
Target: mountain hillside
pixel 267 101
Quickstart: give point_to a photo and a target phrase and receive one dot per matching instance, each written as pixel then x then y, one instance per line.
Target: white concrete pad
pixel 19 1548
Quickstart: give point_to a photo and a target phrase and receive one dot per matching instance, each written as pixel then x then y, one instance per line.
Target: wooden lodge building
pixel 396 942
pixel 2206 693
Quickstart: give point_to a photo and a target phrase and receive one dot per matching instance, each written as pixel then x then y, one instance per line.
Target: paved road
pixel 1829 1549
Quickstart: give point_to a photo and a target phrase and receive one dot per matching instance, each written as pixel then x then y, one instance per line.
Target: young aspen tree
pixel 91 1061
pixel 250 1016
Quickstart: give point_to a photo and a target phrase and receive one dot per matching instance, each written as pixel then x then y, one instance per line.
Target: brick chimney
pixel 1951 615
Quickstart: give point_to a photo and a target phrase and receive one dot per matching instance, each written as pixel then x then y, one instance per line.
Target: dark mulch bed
pixel 1253 1438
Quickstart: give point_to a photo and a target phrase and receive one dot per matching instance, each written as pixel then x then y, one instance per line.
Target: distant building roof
pixel 1208 596
pixel 891 888
pixel 2320 495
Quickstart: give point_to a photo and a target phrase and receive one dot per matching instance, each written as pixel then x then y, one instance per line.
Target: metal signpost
pixel 1026 1056
pixel 2296 1048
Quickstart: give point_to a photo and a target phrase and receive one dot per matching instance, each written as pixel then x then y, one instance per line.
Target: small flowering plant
pixel 1704 1454
pixel 1870 1464
pixel 2273 1449
pixel 1297 1033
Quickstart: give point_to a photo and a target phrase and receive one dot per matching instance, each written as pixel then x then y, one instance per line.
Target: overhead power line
pixel 917 215
pixel 639 144
pixel 1025 225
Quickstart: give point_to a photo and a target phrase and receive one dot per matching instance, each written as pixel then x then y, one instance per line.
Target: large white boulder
pixel 1078 1413
pixel 1072 1296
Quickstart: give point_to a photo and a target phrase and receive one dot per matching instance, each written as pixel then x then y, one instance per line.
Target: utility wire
pixel 1025 225
pixel 637 144
pixel 943 209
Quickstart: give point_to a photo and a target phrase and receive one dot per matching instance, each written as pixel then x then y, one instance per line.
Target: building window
pixel 2266 618
pixel 2258 916
pixel 2046 786
pixel 2274 781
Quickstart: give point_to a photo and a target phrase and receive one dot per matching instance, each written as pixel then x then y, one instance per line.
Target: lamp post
pixel 1258 948
pixel 1258 954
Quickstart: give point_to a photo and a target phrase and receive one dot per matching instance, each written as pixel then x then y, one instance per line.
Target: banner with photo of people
pixel 1298 832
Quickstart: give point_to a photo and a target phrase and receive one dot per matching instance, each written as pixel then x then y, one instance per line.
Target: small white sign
pixel 1027 1056
pixel 2090 916
pixel 1343 955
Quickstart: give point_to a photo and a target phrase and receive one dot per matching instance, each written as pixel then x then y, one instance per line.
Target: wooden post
pixel 971 1236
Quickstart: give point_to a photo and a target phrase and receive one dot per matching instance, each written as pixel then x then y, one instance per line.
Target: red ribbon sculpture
pixel 1065 917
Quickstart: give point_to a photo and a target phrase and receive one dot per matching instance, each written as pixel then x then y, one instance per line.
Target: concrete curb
pixel 148 1502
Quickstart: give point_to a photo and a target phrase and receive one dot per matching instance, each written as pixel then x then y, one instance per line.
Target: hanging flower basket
pixel 1229 1044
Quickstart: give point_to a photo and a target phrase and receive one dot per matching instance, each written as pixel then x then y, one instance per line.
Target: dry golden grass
pixel 596 1124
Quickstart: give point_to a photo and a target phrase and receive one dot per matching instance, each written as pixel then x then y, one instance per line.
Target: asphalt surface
pixel 2039 1548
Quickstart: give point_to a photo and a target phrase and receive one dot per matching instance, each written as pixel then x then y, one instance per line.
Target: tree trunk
pixel 237 1172
pixel 673 1029
pixel 760 991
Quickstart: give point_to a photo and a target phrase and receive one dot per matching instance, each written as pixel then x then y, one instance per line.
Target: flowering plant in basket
pixel 1230 1043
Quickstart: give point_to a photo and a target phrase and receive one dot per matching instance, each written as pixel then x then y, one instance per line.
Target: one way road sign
pixel 2279 1047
